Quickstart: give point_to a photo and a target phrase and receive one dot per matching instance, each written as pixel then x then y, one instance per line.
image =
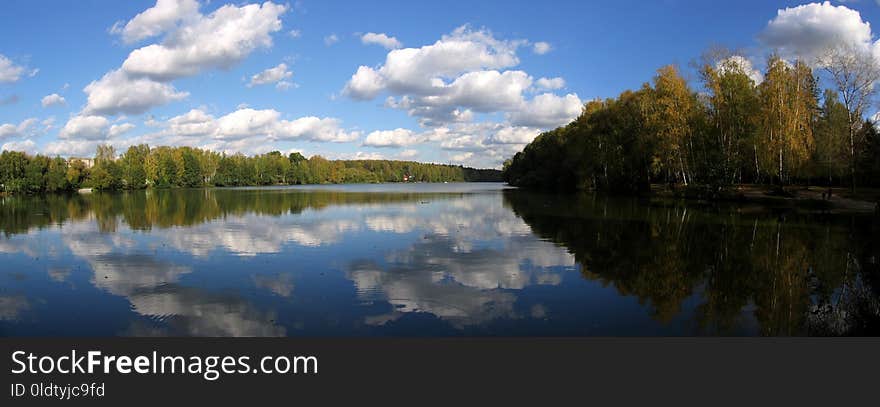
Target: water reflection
pixel 11 306
pixel 419 259
pixel 450 278
pixel 795 273
pixel 186 311
pixel 281 284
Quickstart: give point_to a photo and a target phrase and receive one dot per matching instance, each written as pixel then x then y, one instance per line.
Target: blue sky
pixel 453 82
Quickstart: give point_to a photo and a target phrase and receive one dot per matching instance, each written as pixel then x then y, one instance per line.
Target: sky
pixel 461 82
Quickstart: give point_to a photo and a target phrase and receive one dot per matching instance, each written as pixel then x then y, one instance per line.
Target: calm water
pixel 427 259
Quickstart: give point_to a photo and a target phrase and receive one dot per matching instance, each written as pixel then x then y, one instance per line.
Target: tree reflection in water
pixel 797 273
pixel 422 259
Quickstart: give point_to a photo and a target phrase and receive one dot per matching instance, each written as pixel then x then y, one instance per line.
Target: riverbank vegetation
pixel 775 128
pixel 164 167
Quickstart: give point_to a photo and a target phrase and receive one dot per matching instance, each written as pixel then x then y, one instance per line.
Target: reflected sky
pixel 428 259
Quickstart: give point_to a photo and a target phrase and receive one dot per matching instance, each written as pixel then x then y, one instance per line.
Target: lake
pixel 473 259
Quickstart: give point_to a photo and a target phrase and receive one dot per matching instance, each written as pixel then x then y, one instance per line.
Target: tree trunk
pixel 781 182
pixel 757 167
pixel 852 155
pixel 683 173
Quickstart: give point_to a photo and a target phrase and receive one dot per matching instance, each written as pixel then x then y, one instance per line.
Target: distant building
pixel 89 162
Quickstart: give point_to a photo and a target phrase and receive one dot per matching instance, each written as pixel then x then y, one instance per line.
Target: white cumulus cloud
pixel 462 73
pixel 246 129
pixel 9 72
pixel 278 75
pixel 193 123
pixel 247 122
pixel 27 146
pixel 25 127
pixel 391 138
pixel 365 84
pixel 424 70
pixel 316 129
pixel 541 48
pixel 53 100
pixel 408 154
pixel 548 110
pixel 117 92
pixel 192 43
pixel 156 20
pixel 71 148
pixel 453 84
pixel 219 40
pixel 550 83
pixel 381 39
pixel 85 127
pixel 806 31
pixel 117 130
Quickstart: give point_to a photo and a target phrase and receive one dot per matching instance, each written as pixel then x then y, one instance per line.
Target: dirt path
pixel 837 199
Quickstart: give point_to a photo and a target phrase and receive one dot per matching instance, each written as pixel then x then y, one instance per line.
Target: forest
pixel 164 167
pixel 775 128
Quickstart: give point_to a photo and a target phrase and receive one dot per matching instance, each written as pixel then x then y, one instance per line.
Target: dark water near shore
pixel 428 259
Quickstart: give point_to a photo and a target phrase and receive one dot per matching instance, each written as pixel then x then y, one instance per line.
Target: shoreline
pixel 806 198
pixel 809 198
pixel 87 190
pixel 864 200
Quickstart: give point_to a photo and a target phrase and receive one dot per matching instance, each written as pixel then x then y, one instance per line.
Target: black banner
pixel 605 371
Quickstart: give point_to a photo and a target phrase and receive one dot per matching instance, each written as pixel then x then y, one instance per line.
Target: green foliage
pixel 869 155
pixel 788 104
pixel 732 118
pixel 734 131
pixel 12 169
pixel 832 147
pixel 105 176
pixel 105 153
pixel 608 147
pixel 295 158
pixel 21 173
pixel 56 176
pixel 35 174
pixel 167 167
pixel 76 173
pixel 132 162
pixel 192 173
pixel 671 118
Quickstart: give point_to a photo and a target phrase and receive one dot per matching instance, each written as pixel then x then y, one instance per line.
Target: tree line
pixel 778 129
pixel 164 167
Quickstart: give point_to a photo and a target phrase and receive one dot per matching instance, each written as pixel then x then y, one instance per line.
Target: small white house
pixel 89 162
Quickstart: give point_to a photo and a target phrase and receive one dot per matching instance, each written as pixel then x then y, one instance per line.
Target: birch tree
pixel 733 110
pixel 674 105
pixel 788 108
pixel 853 71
